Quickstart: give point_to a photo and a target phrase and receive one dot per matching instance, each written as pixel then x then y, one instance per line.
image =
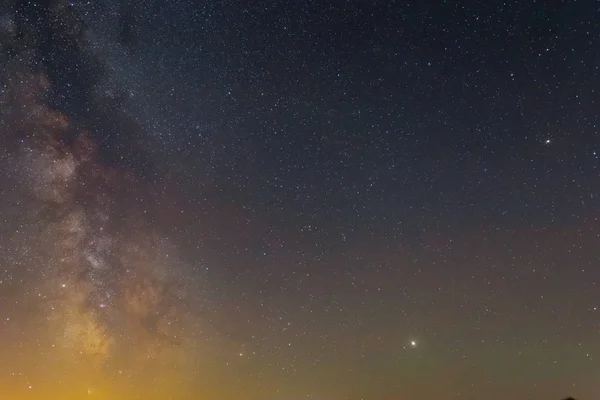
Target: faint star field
pixel 317 200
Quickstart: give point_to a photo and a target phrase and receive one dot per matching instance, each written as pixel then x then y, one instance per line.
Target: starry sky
pixel 300 199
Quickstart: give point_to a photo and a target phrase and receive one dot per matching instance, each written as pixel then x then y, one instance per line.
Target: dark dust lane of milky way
pixel 282 200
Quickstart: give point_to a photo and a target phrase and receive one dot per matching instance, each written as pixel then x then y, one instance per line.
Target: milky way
pixel 105 287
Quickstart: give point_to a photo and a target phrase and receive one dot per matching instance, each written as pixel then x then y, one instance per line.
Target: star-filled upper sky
pixel 326 200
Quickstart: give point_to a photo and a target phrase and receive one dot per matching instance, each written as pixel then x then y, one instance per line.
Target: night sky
pixel 283 200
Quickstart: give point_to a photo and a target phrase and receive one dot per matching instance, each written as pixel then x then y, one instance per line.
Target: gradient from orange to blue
pixel 299 200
